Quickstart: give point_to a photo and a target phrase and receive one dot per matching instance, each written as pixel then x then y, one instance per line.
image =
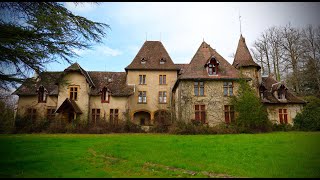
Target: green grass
pixel 280 154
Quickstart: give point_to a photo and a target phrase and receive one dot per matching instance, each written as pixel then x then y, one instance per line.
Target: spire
pixel 243 57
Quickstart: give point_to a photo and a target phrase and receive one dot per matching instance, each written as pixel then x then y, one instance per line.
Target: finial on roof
pixel 240 23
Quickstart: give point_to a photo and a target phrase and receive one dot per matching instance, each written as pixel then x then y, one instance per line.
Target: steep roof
pixel 68 105
pixel 197 70
pixel 75 67
pixel 271 85
pixel 243 57
pixel 46 79
pixel 117 86
pixel 152 52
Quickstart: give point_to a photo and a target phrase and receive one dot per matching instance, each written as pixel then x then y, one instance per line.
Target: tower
pixel 243 61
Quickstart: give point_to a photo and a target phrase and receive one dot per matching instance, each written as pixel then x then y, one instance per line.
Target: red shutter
pixel 203 116
pixel 285 118
pixel 226 116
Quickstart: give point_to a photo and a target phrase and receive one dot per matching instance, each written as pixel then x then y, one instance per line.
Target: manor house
pixel 153 88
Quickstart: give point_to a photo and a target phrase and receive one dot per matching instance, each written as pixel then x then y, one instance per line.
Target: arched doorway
pixel 142 117
pixel 162 117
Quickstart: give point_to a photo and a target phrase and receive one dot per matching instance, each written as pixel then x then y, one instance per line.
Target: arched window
pixel 42 94
pixel 212 66
pixel 105 95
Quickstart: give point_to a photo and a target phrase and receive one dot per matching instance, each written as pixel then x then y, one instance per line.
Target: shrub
pixel 282 127
pixel 251 115
pixel 309 118
pixel 7 118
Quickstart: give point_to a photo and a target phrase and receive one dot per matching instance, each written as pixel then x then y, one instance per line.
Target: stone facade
pixel 152 61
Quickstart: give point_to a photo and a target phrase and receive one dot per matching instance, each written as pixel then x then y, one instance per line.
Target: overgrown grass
pixel 278 154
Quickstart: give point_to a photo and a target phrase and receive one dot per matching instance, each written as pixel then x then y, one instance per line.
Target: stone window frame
pixel 283 115
pixel 95 115
pixel 143 96
pixel 201 111
pixel 229 112
pixel 142 79
pixel 74 92
pixel 114 116
pixel 162 97
pixel 197 85
pixel 227 88
pixel 163 79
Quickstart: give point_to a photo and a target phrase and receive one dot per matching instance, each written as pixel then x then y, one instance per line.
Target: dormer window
pixel 105 95
pixel 212 66
pixel 262 91
pixel 162 60
pixel 42 95
pixel 281 92
pixel 143 61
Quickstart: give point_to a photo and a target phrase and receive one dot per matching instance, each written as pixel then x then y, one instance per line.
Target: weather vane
pixel 240 22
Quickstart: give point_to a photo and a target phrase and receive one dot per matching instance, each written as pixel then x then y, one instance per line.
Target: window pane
pixel 231 91
pixel 116 111
pixel 203 116
pixel 160 79
pixel 75 95
pixel 225 84
pixel 164 79
pixel 230 84
pixel 197 107
pixel 140 99
pixel 197 115
pixel 225 91
pixel 226 117
pixel 140 79
pixel 144 99
pixel 203 107
pixel 284 110
pixel 201 91
pixel 280 110
pixel 210 70
pixel 196 91
pixel 201 84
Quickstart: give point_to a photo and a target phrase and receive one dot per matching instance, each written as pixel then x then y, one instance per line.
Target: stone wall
pixel 292 109
pixel 213 99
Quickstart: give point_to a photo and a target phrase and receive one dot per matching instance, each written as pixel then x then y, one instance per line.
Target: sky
pixel 181 27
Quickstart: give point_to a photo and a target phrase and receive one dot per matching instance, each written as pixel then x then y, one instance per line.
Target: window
pixel 73 92
pixel 143 61
pixel 95 115
pixel 227 88
pixel 229 114
pixel 162 61
pixel 142 79
pixel 142 97
pixel 105 96
pixel 200 113
pixel 50 113
pixel 162 96
pixel 212 66
pixel 114 116
pixel 283 116
pixel 198 88
pixel 212 70
pixel 32 114
pixel 42 95
pixel 162 79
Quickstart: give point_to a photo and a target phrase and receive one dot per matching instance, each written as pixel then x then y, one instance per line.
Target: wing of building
pixel 152 88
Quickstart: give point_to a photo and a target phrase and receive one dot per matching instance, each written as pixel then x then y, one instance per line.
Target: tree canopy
pixel 33 34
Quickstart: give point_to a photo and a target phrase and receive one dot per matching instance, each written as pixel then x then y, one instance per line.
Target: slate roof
pixel 152 52
pixel 117 86
pixel 243 57
pixel 182 68
pixel 46 79
pixel 267 82
pixel 197 70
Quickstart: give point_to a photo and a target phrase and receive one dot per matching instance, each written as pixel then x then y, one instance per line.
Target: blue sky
pixel 182 26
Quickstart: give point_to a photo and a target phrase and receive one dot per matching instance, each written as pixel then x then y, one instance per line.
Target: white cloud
pixel 102 50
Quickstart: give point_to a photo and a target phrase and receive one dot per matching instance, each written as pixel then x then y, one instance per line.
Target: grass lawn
pixel 279 154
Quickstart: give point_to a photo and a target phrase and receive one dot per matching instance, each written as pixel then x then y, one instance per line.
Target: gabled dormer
pixel 212 66
pixel 279 90
pixel 42 94
pixel 105 95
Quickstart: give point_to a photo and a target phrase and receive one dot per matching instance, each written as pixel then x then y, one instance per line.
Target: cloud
pixel 98 51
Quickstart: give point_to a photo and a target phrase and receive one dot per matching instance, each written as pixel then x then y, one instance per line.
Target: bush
pixel 251 116
pixel 309 118
pixel 6 119
pixel 180 127
pixel 282 127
